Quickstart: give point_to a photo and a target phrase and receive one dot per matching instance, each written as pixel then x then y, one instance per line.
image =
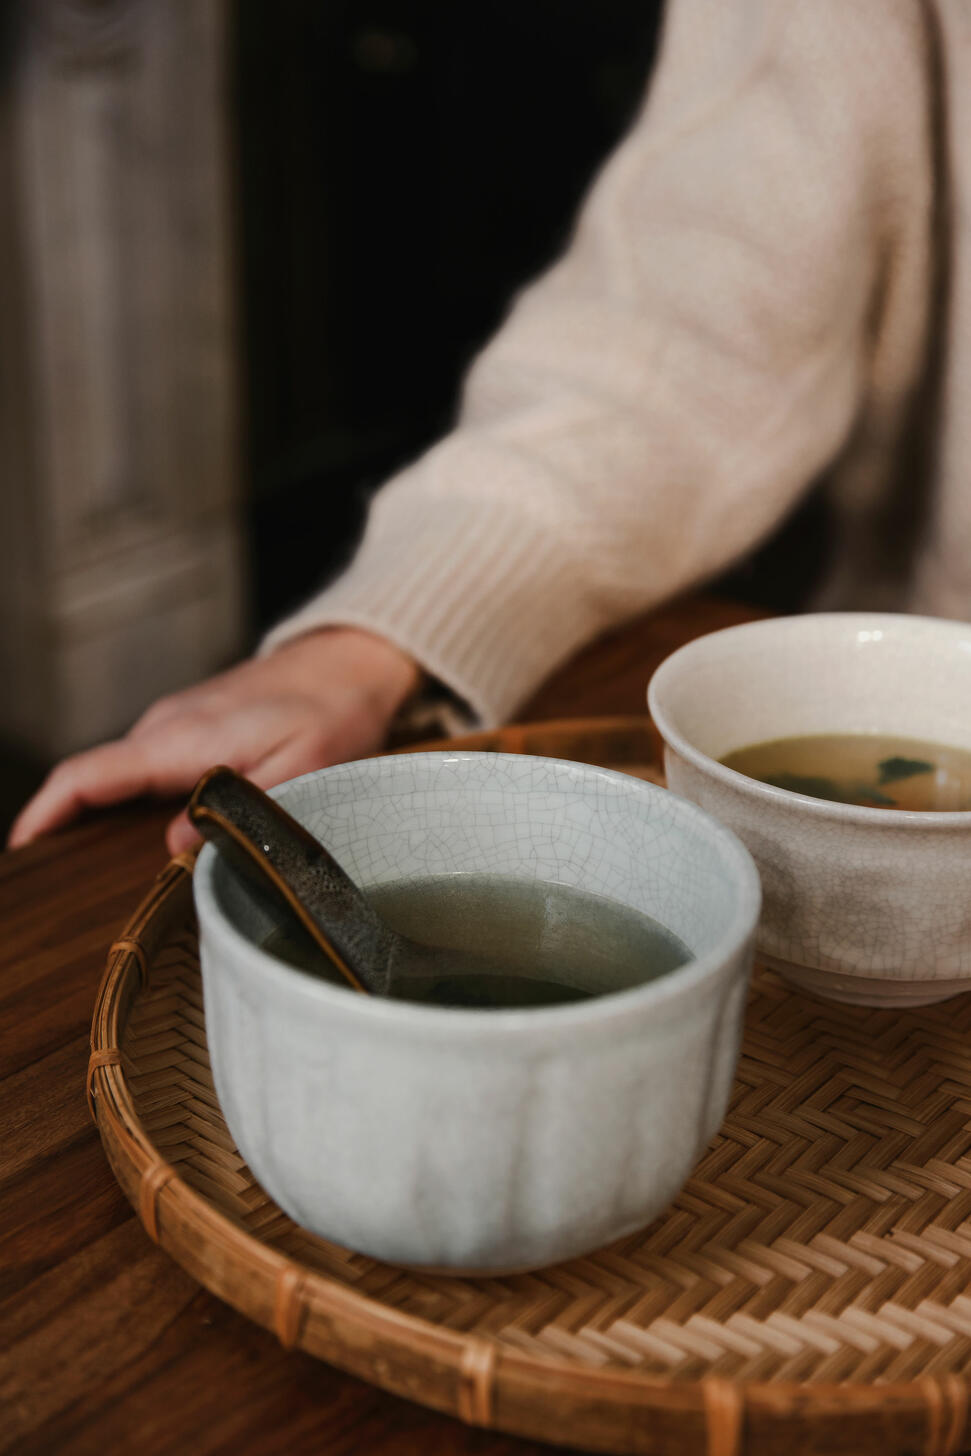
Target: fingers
pixel 180 834
pixel 105 775
pixel 100 776
pixel 278 767
pixel 296 756
pixel 282 764
pixel 269 735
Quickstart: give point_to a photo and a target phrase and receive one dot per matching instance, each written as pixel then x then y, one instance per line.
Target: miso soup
pixel 876 770
pixel 540 944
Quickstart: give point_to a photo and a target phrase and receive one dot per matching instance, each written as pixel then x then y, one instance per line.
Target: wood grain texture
pixel 611 675
pixel 105 1344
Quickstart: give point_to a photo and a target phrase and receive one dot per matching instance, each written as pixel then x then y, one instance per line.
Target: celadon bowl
pixel 469 1139
pixel 865 905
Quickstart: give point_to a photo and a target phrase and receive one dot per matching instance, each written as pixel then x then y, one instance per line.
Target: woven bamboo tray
pixel 807 1292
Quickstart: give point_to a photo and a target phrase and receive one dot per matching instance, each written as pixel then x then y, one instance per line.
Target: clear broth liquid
pixel 878 771
pixel 545 944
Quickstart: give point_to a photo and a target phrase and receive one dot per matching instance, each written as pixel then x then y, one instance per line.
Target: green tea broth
pixel 541 944
pixel 875 770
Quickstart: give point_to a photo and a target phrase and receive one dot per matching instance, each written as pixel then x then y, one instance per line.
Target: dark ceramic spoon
pixel 276 853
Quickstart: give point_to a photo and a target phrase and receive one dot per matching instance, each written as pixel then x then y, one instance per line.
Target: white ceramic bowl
pixel 864 905
pixel 483 1140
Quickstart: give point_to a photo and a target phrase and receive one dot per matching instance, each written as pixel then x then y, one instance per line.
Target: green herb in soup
pixel 876 770
pixel 541 944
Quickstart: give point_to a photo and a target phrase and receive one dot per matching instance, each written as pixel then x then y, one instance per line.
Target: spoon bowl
pixel 281 859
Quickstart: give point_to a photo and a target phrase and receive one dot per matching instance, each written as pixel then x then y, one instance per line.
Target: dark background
pixel 403 167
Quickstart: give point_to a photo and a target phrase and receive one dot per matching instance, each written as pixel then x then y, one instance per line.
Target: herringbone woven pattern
pixel 826 1235
pixel 809 1291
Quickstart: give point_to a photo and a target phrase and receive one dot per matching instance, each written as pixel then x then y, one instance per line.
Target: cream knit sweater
pixel 771 279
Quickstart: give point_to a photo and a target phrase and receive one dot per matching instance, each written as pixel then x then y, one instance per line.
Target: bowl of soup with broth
pixel 838 747
pixel 523 1115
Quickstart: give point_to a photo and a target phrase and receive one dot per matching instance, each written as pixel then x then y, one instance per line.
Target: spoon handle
pixel 264 841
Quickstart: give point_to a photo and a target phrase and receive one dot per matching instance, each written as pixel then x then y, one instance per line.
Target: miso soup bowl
pixel 865 905
pixel 469 1139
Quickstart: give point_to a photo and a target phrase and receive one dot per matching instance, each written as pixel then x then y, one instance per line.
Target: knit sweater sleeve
pixel 657 401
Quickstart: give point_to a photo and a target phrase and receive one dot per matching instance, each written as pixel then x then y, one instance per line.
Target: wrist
pixel 385 674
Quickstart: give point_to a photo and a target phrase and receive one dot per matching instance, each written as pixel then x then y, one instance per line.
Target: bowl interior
pixel 822 673
pixel 416 815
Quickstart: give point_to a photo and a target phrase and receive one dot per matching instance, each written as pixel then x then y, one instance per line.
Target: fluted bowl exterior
pixel 479 1140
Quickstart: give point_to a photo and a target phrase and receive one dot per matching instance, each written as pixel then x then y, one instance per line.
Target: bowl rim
pixel 447 1021
pixel 859 814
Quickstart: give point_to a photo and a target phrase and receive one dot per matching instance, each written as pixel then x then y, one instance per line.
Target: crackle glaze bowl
pixel 866 905
pixel 469 1139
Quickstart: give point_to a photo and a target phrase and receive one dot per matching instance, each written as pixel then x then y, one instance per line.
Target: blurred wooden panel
pixel 120 557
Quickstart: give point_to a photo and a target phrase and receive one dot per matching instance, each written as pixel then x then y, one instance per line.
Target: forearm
pixel 659 400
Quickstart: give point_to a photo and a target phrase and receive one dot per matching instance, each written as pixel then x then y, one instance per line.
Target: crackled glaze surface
pixel 484 1140
pixel 859 904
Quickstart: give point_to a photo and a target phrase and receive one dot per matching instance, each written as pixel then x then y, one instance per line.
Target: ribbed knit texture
pixel 751 298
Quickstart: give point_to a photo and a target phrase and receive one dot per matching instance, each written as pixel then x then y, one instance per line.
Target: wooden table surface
pixel 105 1344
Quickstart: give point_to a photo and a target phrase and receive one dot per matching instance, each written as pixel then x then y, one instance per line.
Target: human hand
pixel 322 698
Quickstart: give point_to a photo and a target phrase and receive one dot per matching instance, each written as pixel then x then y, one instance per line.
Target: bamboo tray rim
pixel 483 1370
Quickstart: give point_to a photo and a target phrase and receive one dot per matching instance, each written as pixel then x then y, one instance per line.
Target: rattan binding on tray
pixel 809 1290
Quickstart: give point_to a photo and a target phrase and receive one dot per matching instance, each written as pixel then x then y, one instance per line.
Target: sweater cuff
pixel 472 583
